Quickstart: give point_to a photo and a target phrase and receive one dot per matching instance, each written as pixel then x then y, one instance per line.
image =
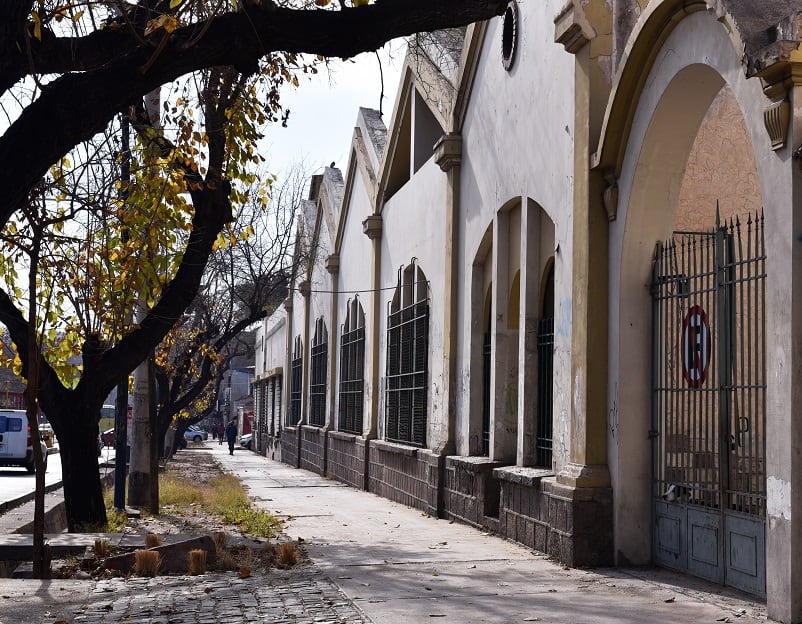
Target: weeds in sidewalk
pixel 224 497
pixel 115 519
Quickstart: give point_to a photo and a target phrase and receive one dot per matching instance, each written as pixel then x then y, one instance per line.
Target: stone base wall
pixel 573 525
pixel 313 449
pixel 581 520
pixel 290 446
pixel 526 505
pixel 524 511
pixel 471 492
pixel 347 459
pixel 406 475
pixel 270 446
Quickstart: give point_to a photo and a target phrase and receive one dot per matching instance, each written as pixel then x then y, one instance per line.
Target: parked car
pixel 107 437
pixel 16 444
pixel 193 434
pixel 246 440
pixel 47 435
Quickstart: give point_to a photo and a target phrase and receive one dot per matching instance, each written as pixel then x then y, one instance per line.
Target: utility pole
pixel 121 405
pixel 143 475
pixel 139 486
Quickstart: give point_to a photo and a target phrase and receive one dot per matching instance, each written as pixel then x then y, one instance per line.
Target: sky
pixel 324 111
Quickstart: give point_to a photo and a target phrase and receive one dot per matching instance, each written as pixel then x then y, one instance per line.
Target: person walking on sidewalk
pixel 231 436
pixel 220 432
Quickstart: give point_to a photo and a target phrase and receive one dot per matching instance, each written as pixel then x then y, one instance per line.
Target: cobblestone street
pixel 299 596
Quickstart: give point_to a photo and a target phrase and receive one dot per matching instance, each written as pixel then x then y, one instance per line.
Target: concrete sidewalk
pixel 400 566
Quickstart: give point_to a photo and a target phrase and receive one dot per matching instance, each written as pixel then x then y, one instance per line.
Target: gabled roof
pixel 370 123
pixel 439 66
pixel 330 199
pixel 367 148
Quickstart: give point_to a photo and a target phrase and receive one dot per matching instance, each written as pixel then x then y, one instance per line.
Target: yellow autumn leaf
pixel 167 22
pixel 359 3
pixel 175 3
pixel 37 25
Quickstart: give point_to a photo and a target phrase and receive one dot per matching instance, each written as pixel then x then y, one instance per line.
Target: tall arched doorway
pixel 681 481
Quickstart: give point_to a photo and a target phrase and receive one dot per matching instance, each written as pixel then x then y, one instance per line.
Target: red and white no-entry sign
pixel 695 347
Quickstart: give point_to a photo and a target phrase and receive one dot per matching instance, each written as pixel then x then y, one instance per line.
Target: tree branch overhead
pixel 109 69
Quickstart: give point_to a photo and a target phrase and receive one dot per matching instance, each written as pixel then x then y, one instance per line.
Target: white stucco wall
pixel 517 145
pixel 354 278
pixel 413 227
pixel 271 343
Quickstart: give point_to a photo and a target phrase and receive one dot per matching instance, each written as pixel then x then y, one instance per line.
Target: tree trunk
pixel 83 494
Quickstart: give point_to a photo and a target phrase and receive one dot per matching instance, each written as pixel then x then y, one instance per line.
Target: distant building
pixel 236 400
pixel 12 390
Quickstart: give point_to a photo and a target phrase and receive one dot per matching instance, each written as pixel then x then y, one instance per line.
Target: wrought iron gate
pixel 709 404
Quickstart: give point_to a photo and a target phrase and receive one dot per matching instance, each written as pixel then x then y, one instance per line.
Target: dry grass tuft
pixel 288 554
pixel 197 562
pixel 226 560
pixel 152 540
pixel 220 541
pixel 147 562
pixel 101 548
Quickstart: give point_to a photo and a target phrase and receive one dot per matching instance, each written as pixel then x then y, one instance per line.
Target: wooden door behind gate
pixel 709 404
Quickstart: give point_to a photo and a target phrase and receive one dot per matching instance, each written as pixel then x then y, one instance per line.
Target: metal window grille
pixel 259 395
pixel 317 385
pixel 269 410
pixel 352 380
pixel 294 416
pixel 545 374
pixel 486 394
pixel 277 404
pixel 407 359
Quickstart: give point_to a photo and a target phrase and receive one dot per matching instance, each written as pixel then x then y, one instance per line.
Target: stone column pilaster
pixel 448 156
pixel 372 227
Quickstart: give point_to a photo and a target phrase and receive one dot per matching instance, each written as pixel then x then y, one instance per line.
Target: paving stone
pixel 302 595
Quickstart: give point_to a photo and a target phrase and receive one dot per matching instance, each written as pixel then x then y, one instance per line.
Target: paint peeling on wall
pixel 565 315
pixel 778 493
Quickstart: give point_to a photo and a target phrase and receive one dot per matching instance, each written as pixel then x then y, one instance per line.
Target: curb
pixel 17 502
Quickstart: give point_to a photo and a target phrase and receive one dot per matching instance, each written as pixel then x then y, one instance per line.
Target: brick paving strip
pixel 303 595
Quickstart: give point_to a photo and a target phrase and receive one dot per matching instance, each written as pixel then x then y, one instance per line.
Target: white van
pixel 15 441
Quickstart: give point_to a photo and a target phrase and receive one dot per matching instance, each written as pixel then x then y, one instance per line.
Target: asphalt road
pixel 18 482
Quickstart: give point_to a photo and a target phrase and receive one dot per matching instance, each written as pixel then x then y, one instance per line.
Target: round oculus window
pixel 509 35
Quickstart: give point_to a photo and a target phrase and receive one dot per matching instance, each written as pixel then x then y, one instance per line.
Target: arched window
pixel 407 358
pixel 487 366
pixel 317 385
pixel 545 373
pixel 352 369
pixel 294 415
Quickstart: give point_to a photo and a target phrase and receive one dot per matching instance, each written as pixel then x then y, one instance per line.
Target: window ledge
pixel 394 447
pixel 476 463
pixel 522 474
pixel 342 435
